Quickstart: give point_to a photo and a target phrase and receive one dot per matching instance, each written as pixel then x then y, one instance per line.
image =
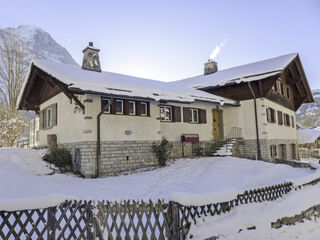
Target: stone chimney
pixel 210 67
pixel 91 59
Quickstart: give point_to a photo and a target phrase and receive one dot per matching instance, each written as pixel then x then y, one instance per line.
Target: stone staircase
pixel 222 148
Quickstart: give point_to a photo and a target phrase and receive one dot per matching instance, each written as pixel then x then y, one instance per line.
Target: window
pixel 282 88
pixel 271 115
pixel 144 109
pixel 286 119
pixel 132 108
pixel 104 103
pixel 48 117
pixel 280 119
pixel 194 118
pixel 166 113
pixel 277 86
pixel 119 106
pixel 288 93
pixel 273 151
pixel 48 123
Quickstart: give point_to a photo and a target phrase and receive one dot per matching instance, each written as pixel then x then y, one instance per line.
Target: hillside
pixel 42 45
pixel 309 114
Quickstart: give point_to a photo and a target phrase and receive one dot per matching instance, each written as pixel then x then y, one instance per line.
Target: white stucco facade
pixel 244 118
pixel 74 125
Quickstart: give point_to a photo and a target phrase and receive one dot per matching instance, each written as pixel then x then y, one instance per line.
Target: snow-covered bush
pixel 60 157
pixel 162 151
pixel 12 126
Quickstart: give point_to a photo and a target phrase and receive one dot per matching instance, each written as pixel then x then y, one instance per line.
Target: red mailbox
pixel 193 138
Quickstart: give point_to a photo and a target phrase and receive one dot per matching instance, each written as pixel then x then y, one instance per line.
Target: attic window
pixel 144 111
pixel 105 102
pixel 132 108
pixel 119 106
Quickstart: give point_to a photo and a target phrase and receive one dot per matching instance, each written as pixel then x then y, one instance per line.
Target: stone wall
pixel 119 156
pixel 248 149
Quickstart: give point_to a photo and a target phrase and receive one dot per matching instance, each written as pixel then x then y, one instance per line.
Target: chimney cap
pixel 91 44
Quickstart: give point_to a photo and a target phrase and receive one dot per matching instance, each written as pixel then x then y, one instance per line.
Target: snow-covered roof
pixel 308 135
pixel 244 73
pixel 118 84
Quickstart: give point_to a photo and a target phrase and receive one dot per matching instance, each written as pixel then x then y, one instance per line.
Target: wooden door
pixel 216 124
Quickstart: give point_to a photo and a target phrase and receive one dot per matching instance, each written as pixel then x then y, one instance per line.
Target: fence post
pixel 91 226
pixel 52 222
pixel 174 214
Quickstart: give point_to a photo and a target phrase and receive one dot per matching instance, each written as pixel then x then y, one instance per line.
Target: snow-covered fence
pixel 70 220
pixel 90 220
pixel 121 220
pixel 189 214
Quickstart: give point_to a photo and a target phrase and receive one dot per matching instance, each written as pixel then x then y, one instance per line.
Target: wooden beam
pixel 63 87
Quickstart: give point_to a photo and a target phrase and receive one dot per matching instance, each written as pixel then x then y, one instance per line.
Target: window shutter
pixel 41 119
pixel 186 115
pixel 280 119
pixel 54 114
pixel 125 107
pixel 176 114
pixel 113 107
pixel 202 116
pixel 138 108
pixel 148 109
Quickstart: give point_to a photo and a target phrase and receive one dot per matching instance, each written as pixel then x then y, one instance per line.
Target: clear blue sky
pixel 170 40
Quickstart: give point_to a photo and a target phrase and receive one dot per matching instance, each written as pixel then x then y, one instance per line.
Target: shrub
pixel 162 151
pixel 60 157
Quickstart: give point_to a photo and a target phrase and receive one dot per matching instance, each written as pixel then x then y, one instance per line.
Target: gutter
pixel 98 138
pixel 256 119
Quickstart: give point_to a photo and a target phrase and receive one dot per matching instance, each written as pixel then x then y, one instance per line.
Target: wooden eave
pixel 40 87
pixel 293 75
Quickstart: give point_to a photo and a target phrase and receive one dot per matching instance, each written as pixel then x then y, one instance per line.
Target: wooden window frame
pixel 288 92
pixel 48 123
pixel 193 110
pixel 119 100
pixel 286 121
pixel 278 86
pixel 171 113
pixel 108 109
pixel 272 115
pixel 273 151
pixel 146 112
pixel 134 108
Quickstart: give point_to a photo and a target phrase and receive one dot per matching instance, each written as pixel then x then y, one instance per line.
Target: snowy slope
pixel 20 179
pixel 309 114
pixel 42 45
pixel 260 215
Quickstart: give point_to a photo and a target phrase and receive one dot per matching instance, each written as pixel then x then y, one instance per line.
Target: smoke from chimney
pixel 216 50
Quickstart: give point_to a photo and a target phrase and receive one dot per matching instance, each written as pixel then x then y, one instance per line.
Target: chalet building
pixel 109 121
pixel 269 93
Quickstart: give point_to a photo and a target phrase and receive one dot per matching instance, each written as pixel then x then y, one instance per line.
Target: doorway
pixel 217 124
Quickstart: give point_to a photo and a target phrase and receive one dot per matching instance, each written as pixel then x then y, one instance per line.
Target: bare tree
pixel 12 126
pixel 14 61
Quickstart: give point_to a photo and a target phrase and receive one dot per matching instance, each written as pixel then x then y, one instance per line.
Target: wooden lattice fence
pixel 189 214
pixel 120 220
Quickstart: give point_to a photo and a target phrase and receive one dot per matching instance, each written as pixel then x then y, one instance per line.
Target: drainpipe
pixel 98 137
pixel 256 118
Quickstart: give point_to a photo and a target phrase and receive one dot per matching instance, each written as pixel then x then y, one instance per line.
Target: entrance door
pixel 216 124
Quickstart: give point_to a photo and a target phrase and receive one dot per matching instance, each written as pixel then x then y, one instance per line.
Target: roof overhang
pixel 40 86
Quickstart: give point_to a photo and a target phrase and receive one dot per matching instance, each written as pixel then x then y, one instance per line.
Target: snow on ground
pixel 20 178
pixel 261 215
